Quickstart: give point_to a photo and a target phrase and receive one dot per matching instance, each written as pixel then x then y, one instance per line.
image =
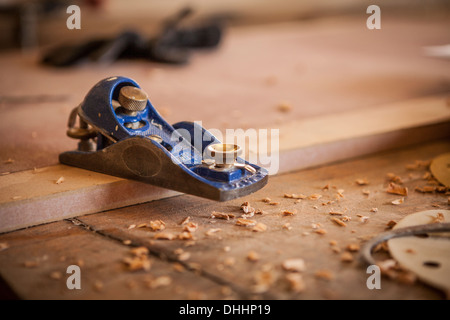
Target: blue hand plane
pixel 122 134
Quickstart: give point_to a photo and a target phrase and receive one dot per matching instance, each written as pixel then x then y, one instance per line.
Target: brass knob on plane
pixel 132 99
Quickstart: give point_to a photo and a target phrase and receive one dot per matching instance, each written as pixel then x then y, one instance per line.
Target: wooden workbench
pixel 321 68
pixel 218 266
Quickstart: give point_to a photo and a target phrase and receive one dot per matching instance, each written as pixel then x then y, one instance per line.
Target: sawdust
pixel 253 256
pixel 362 182
pixel 60 180
pixel 222 215
pixel 347 257
pixel 289 212
pixel 295 282
pixel 259 227
pixel 294 265
pixel 245 222
pixel 157 225
pixel 185 236
pixel 324 275
pixel 190 227
pixel 339 222
pixel 164 236
pixel 398 201
pixel 212 231
pixel 394 188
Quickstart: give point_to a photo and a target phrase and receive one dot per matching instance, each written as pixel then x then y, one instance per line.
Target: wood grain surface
pixel 220 260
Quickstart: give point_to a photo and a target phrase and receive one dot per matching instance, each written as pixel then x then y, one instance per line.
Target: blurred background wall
pixel 31 23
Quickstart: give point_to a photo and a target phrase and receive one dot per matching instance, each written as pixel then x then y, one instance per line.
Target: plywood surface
pixel 220 260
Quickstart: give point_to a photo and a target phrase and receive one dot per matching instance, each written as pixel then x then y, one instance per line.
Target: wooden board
pixel 33 197
pixel 344 104
pixel 220 260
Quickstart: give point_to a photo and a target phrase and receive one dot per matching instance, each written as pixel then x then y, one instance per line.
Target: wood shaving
pixel 245 204
pixel 315 225
pixel 335 213
pixel 340 193
pixel 284 107
pixel 98 286
pixel 287 226
pixel 353 247
pixel 56 275
pixel 391 224
pixel 212 231
pixel 16 197
pixel 131 226
pixel 159 282
pixel 266 200
pixel 60 180
pixel 3 246
pixel 398 201
pixel 289 213
pixel 324 275
pixel 394 188
pixel 363 219
pixel 274 203
pixel 248 210
pixel 333 243
pixel 184 221
pixel 362 182
pixel 394 178
pixel 366 192
pixel 315 207
pixel 259 211
pixel 253 256
pixel 339 222
pixel 327 187
pixel 184 256
pixel 164 236
pixel 245 222
pixel 31 264
pixel 336 249
pixel 321 231
pixel 137 263
pixel 126 242
pixel 263 279
pixel 418 164
pixel 374 210
pixel 439 218
pixel 157 225
pixel 185 236
pixel 299 196
pixel 295 282
pixel 259 227
pixel 315 196
pixel 346 218
pixel 140 251
pixel 222 215
pixel 9 161
pixel 190 227
pixel 287 195
pixel 294 265
pixel 347 257
pixel 441 189
pixel 229 262
pixel 5 173
pixel 425 189
pixel 178 267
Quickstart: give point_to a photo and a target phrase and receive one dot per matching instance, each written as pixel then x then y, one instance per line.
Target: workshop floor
pixel 215 265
